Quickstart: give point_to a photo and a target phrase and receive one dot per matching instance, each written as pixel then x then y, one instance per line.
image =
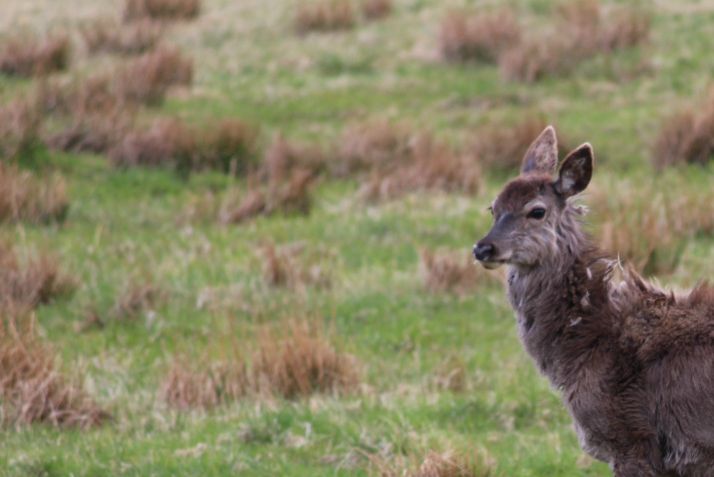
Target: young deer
pixel 634 364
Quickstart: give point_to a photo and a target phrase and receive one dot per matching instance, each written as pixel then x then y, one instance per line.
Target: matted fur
pixel 634 363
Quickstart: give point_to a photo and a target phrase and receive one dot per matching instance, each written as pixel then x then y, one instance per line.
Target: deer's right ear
pixel 542 155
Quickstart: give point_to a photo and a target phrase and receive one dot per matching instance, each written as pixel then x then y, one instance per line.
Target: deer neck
pixel 554 303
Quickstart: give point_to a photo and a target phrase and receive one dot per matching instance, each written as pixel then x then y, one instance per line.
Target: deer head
pixel 533 219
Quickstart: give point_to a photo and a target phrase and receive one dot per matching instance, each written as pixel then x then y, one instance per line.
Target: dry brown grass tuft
pixel 686 136
pixel 431 167
pixel 19 129
pixel 433 464
pixel 136 298
pixel 26 198
pixel 108 36
pixel 161 9
pixel 592 32
pixel 479 36
pixel 94 93
pixel 451 375
pixel 187 387
pixel 372 146
pixel 95 131
pixel 538 56
pixel 227 145
pixel 500 146
pixel 581 31
pixel 158 146
pixel 32 282
pixel 93 117
pixel 286 267
pixel 650 226
pixel 626 28
pixel 32 388
pixel 292 196
pixel 146 79
pixel 451 272
pixel 296 359
pixel 91 321
pixel 447 464
pixel 282 158
pixel 292 359
pixel 24 56
pixel 376 9
pixel 582 20
pixel 238 207
pixel 324 15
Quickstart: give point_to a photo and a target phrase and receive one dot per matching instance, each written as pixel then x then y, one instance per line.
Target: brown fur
pixel 634 363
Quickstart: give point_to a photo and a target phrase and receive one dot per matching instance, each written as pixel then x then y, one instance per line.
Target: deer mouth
pixel 492 264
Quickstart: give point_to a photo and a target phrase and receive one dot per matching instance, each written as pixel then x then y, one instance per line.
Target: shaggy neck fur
pixel 562 303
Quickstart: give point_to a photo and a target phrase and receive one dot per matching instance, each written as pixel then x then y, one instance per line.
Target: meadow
pixel 257 261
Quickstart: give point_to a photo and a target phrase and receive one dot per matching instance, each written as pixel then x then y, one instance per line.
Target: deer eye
pixel 536 213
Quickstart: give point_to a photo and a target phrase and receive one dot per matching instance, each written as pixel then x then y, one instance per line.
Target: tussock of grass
pixel 431 167
pixel 483 36
pixel 136 298
pixel 538 56
pixel 627 28
pixel 19 129
pixel 594 32
pixel 393 160
pixel 649 227
pixel 95 132
pixel 227 145
pixel 292 196
pixel 376 9
pixel 107 36
pixel 147 78
pixel 451 376
pixel 186 387
pixel 580 31
pixel 370 146
pixel 32 388
pixel 161 9
pixel 32 282
pixel 324 15
pixel 282 158
pixel 298 360
pixel 160 145
pixel 501 146
pixel 433 464
pixel 687 136
pixel 25 56
pixel 94 93
pixel 451 272
pixel 284 267
pixel 27 198
pixel 91 117
pixel 91 321
pixel 291 360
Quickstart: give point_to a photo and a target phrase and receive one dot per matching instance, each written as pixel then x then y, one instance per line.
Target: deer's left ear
pixel 575 171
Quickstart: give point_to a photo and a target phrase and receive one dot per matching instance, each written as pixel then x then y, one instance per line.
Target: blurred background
pixel 235 234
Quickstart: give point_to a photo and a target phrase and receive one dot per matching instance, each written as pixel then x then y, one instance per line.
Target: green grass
pixel 125 226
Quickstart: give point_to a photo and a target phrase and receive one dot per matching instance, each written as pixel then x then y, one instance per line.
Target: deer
pixel 634 363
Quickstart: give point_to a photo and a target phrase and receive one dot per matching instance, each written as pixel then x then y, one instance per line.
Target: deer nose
pixel 483 251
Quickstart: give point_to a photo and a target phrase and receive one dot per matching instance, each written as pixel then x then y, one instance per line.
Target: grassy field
pixel 129 226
